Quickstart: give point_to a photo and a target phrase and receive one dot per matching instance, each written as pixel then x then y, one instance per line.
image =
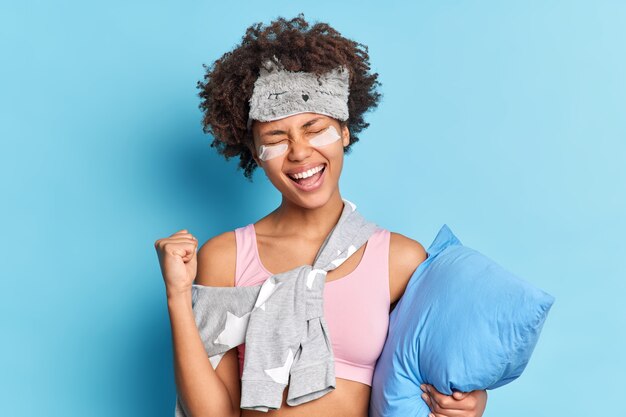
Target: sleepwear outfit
pixel 356 306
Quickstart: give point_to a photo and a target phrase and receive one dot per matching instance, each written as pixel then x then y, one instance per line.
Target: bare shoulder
pixel 216 261
pixel 405 255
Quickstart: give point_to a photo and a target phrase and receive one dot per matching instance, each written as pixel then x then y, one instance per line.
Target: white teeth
pixel 308 173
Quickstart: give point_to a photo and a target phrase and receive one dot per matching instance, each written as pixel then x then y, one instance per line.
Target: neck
pixel 316 222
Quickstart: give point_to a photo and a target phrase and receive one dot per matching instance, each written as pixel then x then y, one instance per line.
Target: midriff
pixel 348 399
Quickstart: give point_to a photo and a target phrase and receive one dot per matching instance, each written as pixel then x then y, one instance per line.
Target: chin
pixel 309 201
pixel 314 202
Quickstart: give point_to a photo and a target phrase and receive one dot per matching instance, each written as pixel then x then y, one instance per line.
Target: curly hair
pixel 229 81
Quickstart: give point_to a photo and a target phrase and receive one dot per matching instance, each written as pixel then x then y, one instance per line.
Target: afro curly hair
pixel 229 81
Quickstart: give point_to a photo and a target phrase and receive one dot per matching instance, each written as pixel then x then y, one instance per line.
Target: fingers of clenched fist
pixel 178 261
pixel 181 243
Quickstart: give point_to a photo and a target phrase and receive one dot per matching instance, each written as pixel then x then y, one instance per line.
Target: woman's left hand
pixel 459 404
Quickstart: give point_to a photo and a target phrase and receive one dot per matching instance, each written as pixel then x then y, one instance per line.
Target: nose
pixel 299 149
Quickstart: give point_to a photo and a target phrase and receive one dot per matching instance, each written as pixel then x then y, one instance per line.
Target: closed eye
pixel 282 140
pixel 275 143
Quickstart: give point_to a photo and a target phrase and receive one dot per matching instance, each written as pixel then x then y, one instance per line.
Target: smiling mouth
pixel 309 180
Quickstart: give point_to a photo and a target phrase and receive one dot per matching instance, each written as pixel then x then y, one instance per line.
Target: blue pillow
pixel 463 323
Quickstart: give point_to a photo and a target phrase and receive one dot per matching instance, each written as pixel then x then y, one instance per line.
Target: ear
pixel 251 145
pixel 256 159
pixel 345 135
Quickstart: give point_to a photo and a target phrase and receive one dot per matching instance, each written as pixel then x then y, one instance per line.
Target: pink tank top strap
pixel 374 265
pixel 247 268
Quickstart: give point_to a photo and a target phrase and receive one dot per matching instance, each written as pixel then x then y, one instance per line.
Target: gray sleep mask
pixel 279 93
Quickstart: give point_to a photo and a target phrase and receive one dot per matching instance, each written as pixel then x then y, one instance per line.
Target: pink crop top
pixel 356 306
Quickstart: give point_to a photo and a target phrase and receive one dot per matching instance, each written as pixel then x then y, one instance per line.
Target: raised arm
pixel 203 391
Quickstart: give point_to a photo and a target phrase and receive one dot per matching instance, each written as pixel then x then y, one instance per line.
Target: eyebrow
pixel 280 132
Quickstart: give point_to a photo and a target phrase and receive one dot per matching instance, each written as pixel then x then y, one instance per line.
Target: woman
pixel 288 149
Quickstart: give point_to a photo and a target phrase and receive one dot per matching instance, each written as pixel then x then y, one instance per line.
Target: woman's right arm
pixel 203 391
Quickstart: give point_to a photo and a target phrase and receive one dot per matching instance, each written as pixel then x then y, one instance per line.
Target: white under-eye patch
pixel 272 151
pixel 327 137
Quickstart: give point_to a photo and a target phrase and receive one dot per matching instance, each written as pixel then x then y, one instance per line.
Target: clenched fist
pixel 179 264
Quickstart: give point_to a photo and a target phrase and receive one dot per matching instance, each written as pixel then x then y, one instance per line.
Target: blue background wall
pixel 504 120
